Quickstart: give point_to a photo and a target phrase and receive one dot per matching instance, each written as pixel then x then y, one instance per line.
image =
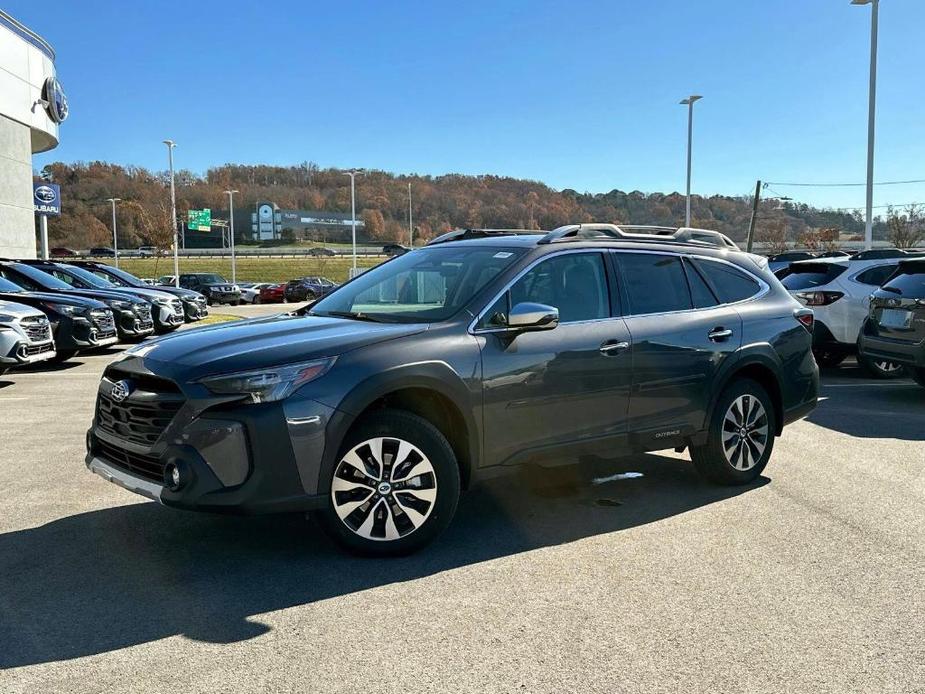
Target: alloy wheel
pixel 384 489
pixel 888 367
pixel 745 432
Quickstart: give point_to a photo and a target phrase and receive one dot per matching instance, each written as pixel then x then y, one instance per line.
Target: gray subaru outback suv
pixel 480 352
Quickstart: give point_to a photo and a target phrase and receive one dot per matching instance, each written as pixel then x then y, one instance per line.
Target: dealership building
pixel 32 105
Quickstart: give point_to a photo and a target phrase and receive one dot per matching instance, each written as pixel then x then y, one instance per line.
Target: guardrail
pixel 248 253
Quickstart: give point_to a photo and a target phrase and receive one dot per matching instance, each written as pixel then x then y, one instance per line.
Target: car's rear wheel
pixel 829 358
pixel 394 487
pixel 741 435
pixel 881 368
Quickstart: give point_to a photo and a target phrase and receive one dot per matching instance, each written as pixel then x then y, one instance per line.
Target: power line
pixel 843 185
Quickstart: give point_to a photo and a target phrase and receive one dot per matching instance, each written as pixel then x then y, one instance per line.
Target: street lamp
pixel 115 240
pixel 173 215
pixel 230 194
pixel 689 102
pixel 410 225
pixel 871 118
pixel 353 212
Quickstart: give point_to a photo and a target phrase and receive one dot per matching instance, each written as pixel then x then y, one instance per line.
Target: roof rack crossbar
pixel 652 234
pixel 462 234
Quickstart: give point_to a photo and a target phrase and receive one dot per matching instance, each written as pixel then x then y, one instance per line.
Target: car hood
pixel 147 294
pixel 65 299
pixel 262 342
pixel 18 310
pixel 185 294
pixel 105 295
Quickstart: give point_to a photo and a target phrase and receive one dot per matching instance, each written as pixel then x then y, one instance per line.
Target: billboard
pixel 47 198
pixel 200 220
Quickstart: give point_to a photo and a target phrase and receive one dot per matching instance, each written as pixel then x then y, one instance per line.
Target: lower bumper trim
pixel 125 480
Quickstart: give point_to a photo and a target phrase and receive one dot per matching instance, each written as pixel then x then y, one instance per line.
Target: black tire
pixel 829 358
pixel 918 375
pixel 711 459
pixel 442 476
pixel 880 368
pixel 256 299
pixel 209 300
pixel 62 355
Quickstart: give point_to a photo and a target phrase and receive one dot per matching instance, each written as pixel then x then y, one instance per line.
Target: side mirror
pixel 530 316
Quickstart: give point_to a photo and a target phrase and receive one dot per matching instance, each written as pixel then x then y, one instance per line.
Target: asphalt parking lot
pixel 808 581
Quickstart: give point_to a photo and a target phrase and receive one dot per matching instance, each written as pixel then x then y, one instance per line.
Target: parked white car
pixel 838 290
pixel 251 290
pixel 25 336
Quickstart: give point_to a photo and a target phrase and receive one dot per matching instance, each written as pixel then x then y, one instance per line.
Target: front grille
pixel 36 328
pixel 147 466
pixel 143 311
pixel 103 322
pixel 142 417
pixel 177 307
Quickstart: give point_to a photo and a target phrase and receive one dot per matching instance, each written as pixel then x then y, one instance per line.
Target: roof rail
pixel 651 234
pixel 463 234
pixel 879 254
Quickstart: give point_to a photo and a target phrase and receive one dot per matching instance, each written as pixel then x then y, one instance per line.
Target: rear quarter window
pixel 812 275
pixel 875 276
pixel 730 284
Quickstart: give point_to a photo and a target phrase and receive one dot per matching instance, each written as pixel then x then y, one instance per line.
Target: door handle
pixel 609 348
pixel 719 334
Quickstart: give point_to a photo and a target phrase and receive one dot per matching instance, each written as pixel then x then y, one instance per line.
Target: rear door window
pixel 701 294
pixel 654 283
pixel 731 284
pixel 812 275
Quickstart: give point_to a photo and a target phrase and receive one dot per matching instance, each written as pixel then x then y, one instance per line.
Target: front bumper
pixel 166 319
pixel 224 297
pixel 130 324
pixel 195 310
pixel 16 351
pixel 244 459
pixel 897 351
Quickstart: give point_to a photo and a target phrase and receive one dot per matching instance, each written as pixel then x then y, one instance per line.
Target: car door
pixel 547 390
pixel 681 334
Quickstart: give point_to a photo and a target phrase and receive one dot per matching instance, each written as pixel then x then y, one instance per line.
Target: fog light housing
pixel 173 477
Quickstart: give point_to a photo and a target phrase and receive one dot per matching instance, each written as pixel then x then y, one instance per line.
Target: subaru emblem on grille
pixel 120 391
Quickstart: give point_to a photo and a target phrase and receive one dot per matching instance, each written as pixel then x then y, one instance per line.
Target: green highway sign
pixel 200 220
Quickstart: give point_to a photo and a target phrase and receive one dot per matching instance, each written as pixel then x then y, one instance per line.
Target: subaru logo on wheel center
pixel 120 391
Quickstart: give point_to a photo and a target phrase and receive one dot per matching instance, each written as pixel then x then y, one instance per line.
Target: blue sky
pixel 576 94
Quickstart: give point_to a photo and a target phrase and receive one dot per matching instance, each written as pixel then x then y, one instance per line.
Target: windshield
pixel 41 279
pixel 426 285
pixel 211 279
pixel 9 287
pixel 910 283
pixel 126 278
pixel 90 278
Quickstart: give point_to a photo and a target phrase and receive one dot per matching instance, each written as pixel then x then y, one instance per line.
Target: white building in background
pixel 32 105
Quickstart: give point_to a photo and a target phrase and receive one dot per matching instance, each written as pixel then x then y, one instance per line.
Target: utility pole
pixel 353 212
pixel 751 224
pixel 410 222
pixel 230 194
pixel 115 239
pixel 173 216
pixel 871 119
pixel 689 102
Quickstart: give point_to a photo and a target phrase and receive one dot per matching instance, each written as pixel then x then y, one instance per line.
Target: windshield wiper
pixel 353 315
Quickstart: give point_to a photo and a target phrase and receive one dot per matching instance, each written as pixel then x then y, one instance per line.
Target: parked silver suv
pixel 25 336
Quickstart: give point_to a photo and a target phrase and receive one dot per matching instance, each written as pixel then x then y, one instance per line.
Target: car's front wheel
pixel 394 487
pixel 741 435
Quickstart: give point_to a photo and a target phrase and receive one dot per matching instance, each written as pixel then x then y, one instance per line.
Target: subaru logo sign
pixel 55 100
pixel 120 391
pixel 47 198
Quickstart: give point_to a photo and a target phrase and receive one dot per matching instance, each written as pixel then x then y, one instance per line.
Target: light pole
pixel 230 194
pixel 173 215
pixel 689 102
pixel 871 119
pixel 115 240
pixel 410 224
pixel 353 212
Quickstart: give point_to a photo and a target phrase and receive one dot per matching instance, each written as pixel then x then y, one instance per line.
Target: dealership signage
pixel 47 198
pixel 200 220
pixel 55 100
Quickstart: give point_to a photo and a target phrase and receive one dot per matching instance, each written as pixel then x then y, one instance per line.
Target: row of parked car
pixel 51 311
pixel 849 295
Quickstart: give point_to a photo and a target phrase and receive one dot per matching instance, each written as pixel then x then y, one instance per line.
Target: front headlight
pixel 270 384
pixel 6 318
pixel 67 310
pixel 161 302
pixel 120 305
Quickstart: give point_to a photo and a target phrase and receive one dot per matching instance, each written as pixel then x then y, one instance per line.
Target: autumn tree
pixel 773 234
pixel 905 230
pixel 373 224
